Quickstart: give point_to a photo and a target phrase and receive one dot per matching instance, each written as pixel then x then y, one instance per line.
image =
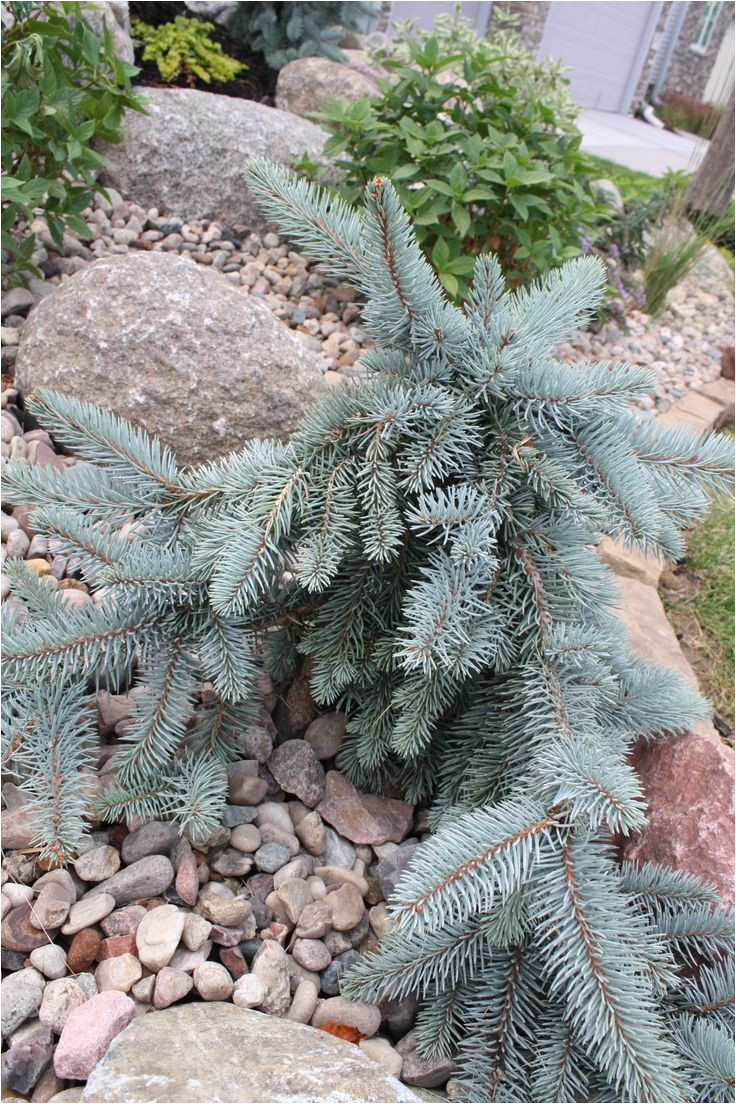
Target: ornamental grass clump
pixel 426 539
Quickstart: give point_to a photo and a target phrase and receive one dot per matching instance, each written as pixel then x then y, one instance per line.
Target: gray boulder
pixel 306 84
pixel 186 156
pixel 115 13
pixel 173 347
pixel 218 1052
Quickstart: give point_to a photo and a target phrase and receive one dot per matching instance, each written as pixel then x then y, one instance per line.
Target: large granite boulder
pixel 688 779
pixel 116 16
pixel 185 157
pixel 218 1052
pixel 306 84
pixel 173 347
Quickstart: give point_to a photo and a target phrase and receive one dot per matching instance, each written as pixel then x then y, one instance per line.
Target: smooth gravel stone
pixel 425 1073
pixel 143 989
pixel 314 921
pixel 187 960
pixel 19 934
pixel 12 960
pixel 381 1051
pixel 60 998
pixel 227 937
pixel 123 921
pixel 88 1033
pixel 116 945
pixel 232 863
pixel 249 992
pixel 51 907
pixel 171 986
pixel 156 838
pixel 339 941
pixel 271 857
pixel 303 1003
pixel 196 930
pixel 244 785
pixel 213 982
pixel 338 850
pixel 18 894
pixel 233 961
pixel 380 920
pixel 21 994
pixel 64 878
pixel 346 907
pixel 147 877
pixel 239 814
pixel 325 735
pixel 295 895
pixel 25 1061
pixel 90 910
pixel 246 838
pixel 98 864
pixel 83 950
pixel 365 1018
pixel 234 912
pixel 337 875
pixel 272 812
pixel 119 973
pixel 300 867
pixel 330 977
pixel 50 960
pixel 311 832
pixel 311 954
pixel 158 935
pixel 87 984
pixel 269 965
pixel 270 833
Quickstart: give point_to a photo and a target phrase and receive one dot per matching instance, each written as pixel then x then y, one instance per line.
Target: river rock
pixel 155 838
pixel 98 864
pixel 60 998
pixel 173 347
pixel 50 960
pixel 171 986
pixel 213 982
pixel 269 965
pixel 391 869
pixel 92 908
pixel 158 934
pixel 21 994
pixel 196 1052
pixel 26 1060
pixel 119 973
pixel 19 933
pixel 146 878
pixel 423 1072
pixel 365 1018
pixel 363 818
pixel 297 770
pixel 326 734
pixel 88 1033
pixel 186 155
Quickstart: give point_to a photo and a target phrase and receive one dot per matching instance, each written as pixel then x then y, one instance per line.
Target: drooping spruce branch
pixel 427 540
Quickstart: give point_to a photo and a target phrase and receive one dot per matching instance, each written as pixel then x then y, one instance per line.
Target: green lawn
pixel 699 599
pixel 629 182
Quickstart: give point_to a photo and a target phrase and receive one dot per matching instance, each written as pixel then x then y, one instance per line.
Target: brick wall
pixel 688 71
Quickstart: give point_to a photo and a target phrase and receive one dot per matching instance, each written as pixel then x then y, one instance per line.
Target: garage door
pixel 605 44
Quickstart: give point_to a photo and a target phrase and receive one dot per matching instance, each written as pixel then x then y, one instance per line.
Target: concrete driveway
pixel 638 145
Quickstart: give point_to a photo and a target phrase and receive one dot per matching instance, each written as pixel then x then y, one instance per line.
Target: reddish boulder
pixel 83 950
pixel 689 785
pixel 363 818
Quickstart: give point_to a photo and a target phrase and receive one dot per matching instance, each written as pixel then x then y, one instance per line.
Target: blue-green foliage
pixel 283 31
pixel 427 540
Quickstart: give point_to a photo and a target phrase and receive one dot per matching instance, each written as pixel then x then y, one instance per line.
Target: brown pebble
pixel 83 950
pixel 19 934
pixel 233 961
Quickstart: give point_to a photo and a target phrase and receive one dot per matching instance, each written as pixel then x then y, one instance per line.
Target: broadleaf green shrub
pixel 283 32
pixel 62 87
pixel 481 161
pixel 185 47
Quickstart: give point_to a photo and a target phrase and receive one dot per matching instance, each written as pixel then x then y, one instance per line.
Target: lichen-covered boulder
pixel 186 156
pixel 174 348
pixel 306 84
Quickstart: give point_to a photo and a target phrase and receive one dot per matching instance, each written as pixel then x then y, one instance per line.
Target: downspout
pixel 675 19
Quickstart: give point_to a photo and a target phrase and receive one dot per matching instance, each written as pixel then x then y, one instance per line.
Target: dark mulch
pixel 257 82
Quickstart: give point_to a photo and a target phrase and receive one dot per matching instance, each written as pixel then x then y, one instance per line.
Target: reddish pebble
pixel 83 950
pixel 233 961
pixel 187 880
pixel 89 1031
pixel 116 945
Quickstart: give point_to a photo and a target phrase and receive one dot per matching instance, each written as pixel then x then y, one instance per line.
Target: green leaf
pixel 461 219
pixel 449 282
pixel 440 253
